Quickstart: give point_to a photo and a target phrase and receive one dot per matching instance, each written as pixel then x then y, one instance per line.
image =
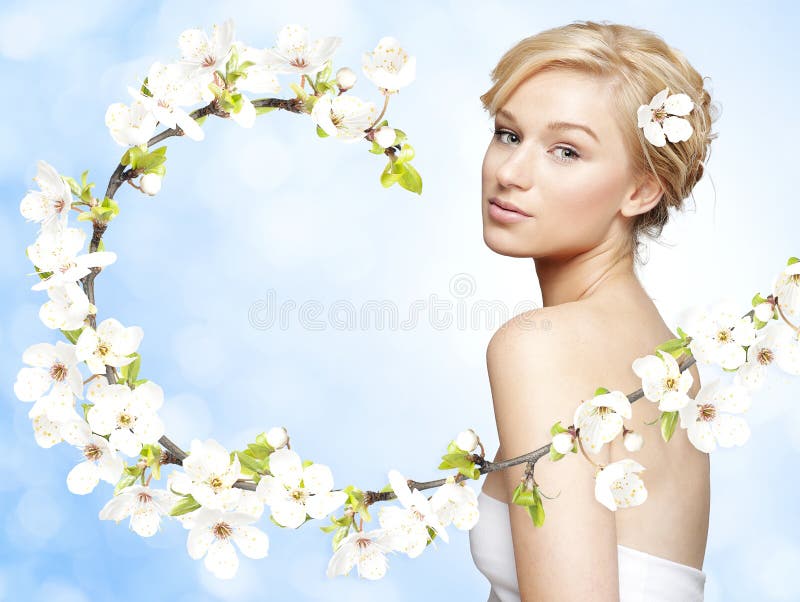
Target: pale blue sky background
pixel 276 211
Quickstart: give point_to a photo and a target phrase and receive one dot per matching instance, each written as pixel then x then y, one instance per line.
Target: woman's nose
pixel 516 170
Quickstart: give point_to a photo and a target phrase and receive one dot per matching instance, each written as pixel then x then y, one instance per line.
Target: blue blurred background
pixel 277 215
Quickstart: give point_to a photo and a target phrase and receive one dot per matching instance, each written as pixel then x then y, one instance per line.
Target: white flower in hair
pixel 661 118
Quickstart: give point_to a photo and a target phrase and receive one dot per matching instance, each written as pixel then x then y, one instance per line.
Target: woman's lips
pixel 505 213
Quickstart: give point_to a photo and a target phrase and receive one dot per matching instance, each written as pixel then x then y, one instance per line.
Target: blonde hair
pixel 637 64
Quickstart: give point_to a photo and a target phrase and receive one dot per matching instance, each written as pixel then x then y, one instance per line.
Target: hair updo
pixel 636 64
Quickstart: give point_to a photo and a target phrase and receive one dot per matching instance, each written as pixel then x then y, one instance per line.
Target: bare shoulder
pixel 536 379
pixel 551 333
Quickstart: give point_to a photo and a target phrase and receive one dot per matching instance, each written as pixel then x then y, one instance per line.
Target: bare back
pixel 673 522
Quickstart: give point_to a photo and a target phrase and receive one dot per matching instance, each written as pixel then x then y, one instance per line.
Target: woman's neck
pixel 583 275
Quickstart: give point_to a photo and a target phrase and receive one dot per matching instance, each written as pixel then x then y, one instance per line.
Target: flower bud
pixel 632 441
pixel 764 311
pixel 277 437
pixel 563 443
pixel 150 183
pixel 385 136
pixel 346 78
pixel 467 440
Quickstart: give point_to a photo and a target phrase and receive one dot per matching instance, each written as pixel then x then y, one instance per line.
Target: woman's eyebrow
pixel 555 125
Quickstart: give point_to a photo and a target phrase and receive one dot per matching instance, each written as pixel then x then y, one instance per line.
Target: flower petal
pixel 253 542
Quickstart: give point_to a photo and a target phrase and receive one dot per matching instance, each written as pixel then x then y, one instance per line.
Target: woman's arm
pixel 536 379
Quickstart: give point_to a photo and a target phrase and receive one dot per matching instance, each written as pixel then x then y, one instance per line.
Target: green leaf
pixel 152 159
pixel 536 510
pixel 251 464
pixel 522 496
pixel 186 505
pixel 668 422
pixel 411 180
pixel 406 154
pixel 792 260
pixel 262 110
pixel 86 407
pixel 757 300
pixel 554 455
pixel 671 345
pixel 321 133
pixel 151 454
pixel 130 372
pixel 557 428
pixel 72 335
pixel 600 391
pixel 340 535
pixel 125 481
pixel 391 173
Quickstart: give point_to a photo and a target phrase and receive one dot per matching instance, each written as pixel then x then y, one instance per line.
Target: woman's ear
pixel 646 196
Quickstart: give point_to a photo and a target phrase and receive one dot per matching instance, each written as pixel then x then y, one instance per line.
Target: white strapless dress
pixel 642 577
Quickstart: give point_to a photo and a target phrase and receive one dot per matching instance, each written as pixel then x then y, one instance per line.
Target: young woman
pixel 575 174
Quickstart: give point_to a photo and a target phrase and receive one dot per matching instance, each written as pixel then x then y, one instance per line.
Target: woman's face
pixel 569 182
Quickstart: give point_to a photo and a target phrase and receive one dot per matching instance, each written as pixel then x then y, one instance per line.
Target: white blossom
pixel 600 419
pixel 143 504
pixel 663 118
pixel 764 311
pixel 277 437
pixel 288 500
pixel 344 117
pixel 632 441
pixel 49 415
pixel 127 416
pixel 212 536
pixel 662 380
pixel 710 418
pixel 57 251
pixel 366 550
pixel 389 66
pixel 385 136
pixel 212 474
pixel 719 335
pixel 109 345
pixel 467 440
pixel 295 53
pixel 53 366
pixel 67 308
pixel 563 443
pixel 346 78
pixel 261 77
pixel 409 525
pixel 456 503
pixel 763 353
pixel 787 349
pixel 787 290
pixel 201 56
pixel 171 90
pixel 130 125
pixel 150 183
pixel 50 205
pixel 618 486
pixel 101 461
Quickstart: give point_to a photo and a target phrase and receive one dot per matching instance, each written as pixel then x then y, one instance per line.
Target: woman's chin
pixel 503 243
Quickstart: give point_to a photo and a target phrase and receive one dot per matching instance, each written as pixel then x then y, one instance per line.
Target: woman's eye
pixel 572 156
pixel 499 133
